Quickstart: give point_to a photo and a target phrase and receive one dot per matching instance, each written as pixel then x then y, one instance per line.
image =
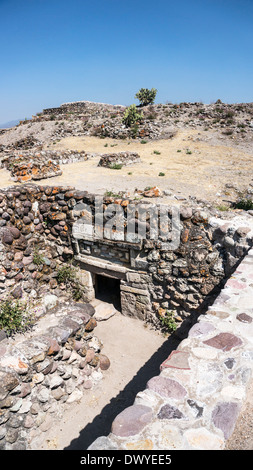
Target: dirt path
pixel 136 352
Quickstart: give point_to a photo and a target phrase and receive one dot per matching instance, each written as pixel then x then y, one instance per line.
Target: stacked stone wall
pixel 47 372
pixel 36 218
pixel 39 220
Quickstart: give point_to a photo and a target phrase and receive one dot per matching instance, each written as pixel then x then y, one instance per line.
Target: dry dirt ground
pixel 193 164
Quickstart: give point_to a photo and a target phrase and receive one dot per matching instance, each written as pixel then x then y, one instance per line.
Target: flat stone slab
pixel 224 417
pixel 176 360
pixel 224 341
pixel 132 420
pixel 201 328
pixel 104 311
pixel 202 439
pixel 166 387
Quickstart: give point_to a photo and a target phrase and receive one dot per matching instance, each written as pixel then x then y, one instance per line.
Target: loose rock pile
pixel 46 372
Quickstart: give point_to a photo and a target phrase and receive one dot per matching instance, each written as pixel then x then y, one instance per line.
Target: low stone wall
pixel 22 172
pixel 121 158
pixel 44 373
pixel 34 165
pixel 195 401
pixel 89 107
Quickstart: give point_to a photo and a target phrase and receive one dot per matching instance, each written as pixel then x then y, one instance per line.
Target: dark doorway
pixel 108 290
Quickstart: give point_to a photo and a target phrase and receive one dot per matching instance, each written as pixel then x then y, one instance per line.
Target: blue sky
pixel 55 51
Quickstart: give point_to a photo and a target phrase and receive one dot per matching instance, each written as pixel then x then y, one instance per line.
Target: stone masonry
pixel 195 401
pixel 40 220
pixel 37 220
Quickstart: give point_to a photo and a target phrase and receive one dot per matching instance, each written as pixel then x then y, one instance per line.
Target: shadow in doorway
pixel 107 289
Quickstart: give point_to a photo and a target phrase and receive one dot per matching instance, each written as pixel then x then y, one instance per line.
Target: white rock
pixel 75 396
pixel 50 301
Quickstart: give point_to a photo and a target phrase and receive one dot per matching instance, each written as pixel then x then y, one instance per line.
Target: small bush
pixel 245 204
pixel 161 174
pixel 116 166
pixel 112 194
pixel 67 275
pixel 168 321
pixel 15 316
pixel 38 259
pixel 134 131
pixel 222 208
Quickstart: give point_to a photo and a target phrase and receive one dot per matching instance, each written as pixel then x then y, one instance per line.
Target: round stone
pixel 104 362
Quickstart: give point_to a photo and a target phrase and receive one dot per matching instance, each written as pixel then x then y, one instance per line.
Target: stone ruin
pixel 109 160
pixel 52 368
pixel 37 165
pixel 149 279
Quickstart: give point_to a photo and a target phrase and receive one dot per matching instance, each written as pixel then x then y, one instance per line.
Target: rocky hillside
pixel 230 122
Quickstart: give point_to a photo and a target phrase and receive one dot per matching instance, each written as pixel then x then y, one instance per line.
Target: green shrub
pixel 38 259
pixel 116 166
pixel 15 316
pixel 131 116
pixel 146 96
pixel 134 131
pixel 223 208
pixel 245 204
pixel 67 275
pixel 168 321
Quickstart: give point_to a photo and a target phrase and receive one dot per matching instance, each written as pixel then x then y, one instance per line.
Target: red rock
pixel 244 318
pixel 91 325
pixel 104 362
pixel 224 341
